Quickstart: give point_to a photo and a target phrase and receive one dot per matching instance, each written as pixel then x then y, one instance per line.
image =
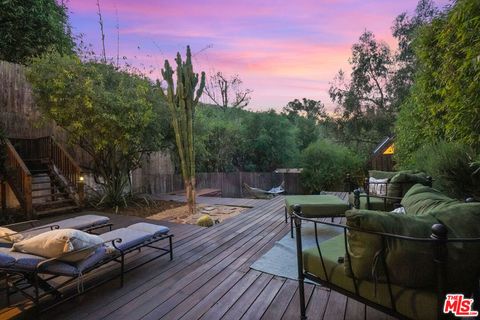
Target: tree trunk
pixel 190 194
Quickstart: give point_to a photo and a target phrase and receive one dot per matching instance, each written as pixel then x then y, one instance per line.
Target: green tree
pixel 113 115
pixel 325 165
pixel 445 98
pixel 364 104
pixel 29 28
pixel 182 100
pixel 217 139
pixel 311 109
pixel 269 142
pixel 405 29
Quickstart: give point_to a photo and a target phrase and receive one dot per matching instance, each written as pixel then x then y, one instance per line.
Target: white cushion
pixel 377 186
pixel 9 236
pixel 57 242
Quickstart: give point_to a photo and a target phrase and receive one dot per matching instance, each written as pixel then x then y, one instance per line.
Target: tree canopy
pixel 29 28
pixel 445 97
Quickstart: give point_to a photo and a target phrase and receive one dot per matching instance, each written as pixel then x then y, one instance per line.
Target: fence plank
pixel 230 183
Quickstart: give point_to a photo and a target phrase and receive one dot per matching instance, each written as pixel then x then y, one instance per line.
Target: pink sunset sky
pixel 281 49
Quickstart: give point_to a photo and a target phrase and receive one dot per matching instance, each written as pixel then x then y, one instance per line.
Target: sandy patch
pixel 219 213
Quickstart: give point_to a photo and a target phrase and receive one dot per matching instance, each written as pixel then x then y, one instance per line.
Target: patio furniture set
pixel 40 261
pixel 403 263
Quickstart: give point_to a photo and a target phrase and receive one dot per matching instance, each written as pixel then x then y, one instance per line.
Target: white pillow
pixel 377 186
pixel 399 210
pixel 54 243
pixel 9 236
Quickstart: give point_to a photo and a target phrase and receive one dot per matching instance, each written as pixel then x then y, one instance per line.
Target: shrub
pixel 453 166
pixel 205 221
pixel 325 165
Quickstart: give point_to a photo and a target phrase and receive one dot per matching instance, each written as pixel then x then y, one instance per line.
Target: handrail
pixel 67 167
pixel 20 177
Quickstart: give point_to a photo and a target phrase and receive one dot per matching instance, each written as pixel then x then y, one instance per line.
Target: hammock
pixel 264 194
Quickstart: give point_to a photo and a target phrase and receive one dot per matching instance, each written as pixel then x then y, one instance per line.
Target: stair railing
pixel 68 168
pixel 20 178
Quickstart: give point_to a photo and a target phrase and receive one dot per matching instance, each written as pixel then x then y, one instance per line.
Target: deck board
pixel 210 276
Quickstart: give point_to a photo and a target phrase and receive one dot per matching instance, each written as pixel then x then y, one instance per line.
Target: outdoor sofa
pixel 41 279
pixel 401 264
pixel 383 190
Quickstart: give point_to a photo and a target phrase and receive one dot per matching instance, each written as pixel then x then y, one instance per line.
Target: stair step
pixel 39 171
pixel 41 189
pixel 49 195
pixel 56 210
pixel 53 203
pixel 41 182
pixel 40 175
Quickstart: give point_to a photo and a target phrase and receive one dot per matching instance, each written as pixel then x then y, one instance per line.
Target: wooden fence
pixel 230 183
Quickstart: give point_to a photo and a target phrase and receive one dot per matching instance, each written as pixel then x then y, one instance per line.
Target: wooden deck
pixel 210 278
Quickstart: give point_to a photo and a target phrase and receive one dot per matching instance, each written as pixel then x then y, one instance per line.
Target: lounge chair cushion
pixel 28 262
pixel 79 222
pixel 9 236
pixel 413 303
pixel 153 229
pixel 54 243
pixel 316 206
pixel 412 261
pixel 130 237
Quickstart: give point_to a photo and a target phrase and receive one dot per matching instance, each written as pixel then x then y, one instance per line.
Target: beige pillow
pixel 9 236
pixel 57 242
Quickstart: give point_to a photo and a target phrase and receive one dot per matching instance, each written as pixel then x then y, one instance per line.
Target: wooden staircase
pixel 43 176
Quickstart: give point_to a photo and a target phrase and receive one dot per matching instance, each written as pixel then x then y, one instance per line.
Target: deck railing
pixel 20 178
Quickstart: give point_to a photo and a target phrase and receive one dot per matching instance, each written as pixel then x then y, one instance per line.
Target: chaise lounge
pixel 40 278
pixel 87 222
pixel 401 264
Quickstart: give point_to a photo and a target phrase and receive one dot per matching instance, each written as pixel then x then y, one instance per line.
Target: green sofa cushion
pixel 413 303
pixel 317 206
pixel 422 199
pixel 375 202
pixel 410 264
pixel 462 221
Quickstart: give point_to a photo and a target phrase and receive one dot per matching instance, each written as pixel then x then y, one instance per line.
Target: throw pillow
pixel 57 242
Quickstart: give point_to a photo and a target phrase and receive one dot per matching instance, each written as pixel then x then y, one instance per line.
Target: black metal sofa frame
pixel 438 238
pixel 22 281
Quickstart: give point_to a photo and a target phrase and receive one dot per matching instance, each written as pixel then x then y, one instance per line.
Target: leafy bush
pixel 453 166
pixel 325 165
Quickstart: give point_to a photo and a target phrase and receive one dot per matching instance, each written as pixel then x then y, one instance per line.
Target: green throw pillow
pixel 409 263
pixel 403 181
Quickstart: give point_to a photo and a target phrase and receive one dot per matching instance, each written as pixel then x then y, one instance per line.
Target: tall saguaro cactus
pixel 182 100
